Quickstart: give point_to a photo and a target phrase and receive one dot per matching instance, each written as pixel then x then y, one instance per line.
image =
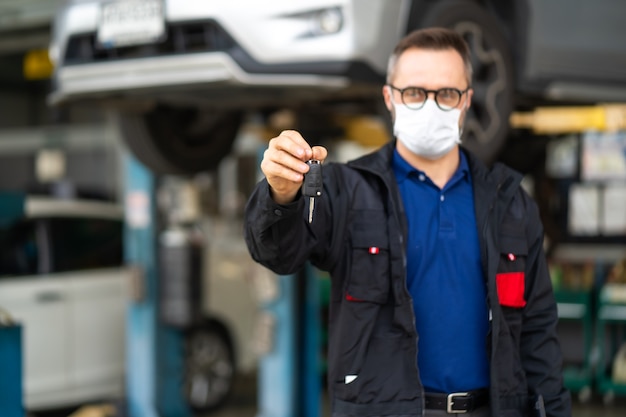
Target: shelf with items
pixel 573 280
pixel 611 339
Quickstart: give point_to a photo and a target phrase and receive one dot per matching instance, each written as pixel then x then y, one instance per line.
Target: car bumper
pixel 160 74
pixel 268 50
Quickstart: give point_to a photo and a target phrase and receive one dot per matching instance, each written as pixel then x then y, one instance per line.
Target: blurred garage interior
pixel 125 286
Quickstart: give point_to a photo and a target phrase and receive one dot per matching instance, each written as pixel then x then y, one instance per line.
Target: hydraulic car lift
pixel 154 351
pixel 560 120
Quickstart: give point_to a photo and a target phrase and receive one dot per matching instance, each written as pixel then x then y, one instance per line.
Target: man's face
pixel 431 70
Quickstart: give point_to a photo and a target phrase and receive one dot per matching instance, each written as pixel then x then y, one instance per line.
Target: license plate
pixel 130 22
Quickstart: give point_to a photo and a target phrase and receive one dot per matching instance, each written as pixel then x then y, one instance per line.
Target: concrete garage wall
pixel 92 155
pixel 16 109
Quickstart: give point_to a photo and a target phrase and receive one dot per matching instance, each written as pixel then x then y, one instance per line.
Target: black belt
pixel 457 402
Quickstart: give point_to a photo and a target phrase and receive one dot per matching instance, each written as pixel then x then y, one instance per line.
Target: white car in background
pixel 183 73
pixel 62 278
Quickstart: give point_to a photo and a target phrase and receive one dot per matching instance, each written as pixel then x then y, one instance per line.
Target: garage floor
pixel 242 403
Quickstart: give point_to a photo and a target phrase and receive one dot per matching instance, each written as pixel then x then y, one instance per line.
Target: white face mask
pixel 429 132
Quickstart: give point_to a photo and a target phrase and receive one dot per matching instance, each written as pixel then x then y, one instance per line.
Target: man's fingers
pixel 320 153
pixel 286 156
pixel 293 143
pixel 282 158
pixel 284 166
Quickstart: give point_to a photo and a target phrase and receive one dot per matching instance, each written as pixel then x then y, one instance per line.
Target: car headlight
pixel 326 21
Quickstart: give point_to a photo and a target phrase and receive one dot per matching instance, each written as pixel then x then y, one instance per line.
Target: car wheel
pixel 209 369
pixel 180 141
pixel 487 123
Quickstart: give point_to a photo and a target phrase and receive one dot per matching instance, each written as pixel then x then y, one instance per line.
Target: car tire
pixel 487 124
pixel 180 141
pixel 209 369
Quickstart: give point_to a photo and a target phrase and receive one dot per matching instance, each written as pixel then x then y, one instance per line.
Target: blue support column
pixel 11 388
pixel 311 351
pixel 154 352
pixel 278 368
pixel 289 375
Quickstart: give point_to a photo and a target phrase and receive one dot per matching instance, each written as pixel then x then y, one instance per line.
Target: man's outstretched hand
pixel 284 164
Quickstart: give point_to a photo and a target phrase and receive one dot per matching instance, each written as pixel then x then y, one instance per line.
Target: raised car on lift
pixel 183 73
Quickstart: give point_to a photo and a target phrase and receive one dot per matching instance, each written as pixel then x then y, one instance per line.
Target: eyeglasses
pixel 415 97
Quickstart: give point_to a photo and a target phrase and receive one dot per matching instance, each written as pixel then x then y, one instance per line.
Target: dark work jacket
pixel 372 332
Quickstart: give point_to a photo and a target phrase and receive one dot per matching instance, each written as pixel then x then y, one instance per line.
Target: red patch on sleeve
pixel 511 289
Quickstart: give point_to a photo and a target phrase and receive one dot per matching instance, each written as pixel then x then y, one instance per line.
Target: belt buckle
pixel 450 402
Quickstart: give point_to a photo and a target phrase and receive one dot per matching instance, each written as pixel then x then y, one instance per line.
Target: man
pixel 441 300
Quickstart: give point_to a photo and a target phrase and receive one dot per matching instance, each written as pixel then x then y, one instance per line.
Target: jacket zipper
pixel 493 386
pixel 396 213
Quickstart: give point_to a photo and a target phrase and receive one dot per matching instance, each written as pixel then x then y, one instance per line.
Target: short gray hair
pixel 435 38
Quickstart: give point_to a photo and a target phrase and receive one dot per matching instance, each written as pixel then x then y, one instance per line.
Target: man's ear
pixel 387 97
pixel 469 93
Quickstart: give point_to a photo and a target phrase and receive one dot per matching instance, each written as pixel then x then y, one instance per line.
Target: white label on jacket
pixel 350 378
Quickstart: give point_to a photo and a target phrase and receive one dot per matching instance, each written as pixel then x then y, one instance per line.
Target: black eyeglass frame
pixel 426 94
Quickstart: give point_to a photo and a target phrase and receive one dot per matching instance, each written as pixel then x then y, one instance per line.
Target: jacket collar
pixel 380 162
pixel 497 181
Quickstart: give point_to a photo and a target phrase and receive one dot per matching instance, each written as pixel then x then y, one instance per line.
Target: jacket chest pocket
pixel 369 278
pixel 511 275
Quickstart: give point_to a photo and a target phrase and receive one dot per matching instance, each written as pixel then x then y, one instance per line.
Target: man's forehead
pixel 432 64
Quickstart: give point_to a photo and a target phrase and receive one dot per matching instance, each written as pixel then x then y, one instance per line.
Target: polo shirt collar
pixel 403 169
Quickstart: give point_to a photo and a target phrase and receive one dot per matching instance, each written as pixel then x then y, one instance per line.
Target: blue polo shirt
pixel 445 279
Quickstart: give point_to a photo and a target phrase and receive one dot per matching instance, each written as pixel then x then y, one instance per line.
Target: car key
pixel 312 186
